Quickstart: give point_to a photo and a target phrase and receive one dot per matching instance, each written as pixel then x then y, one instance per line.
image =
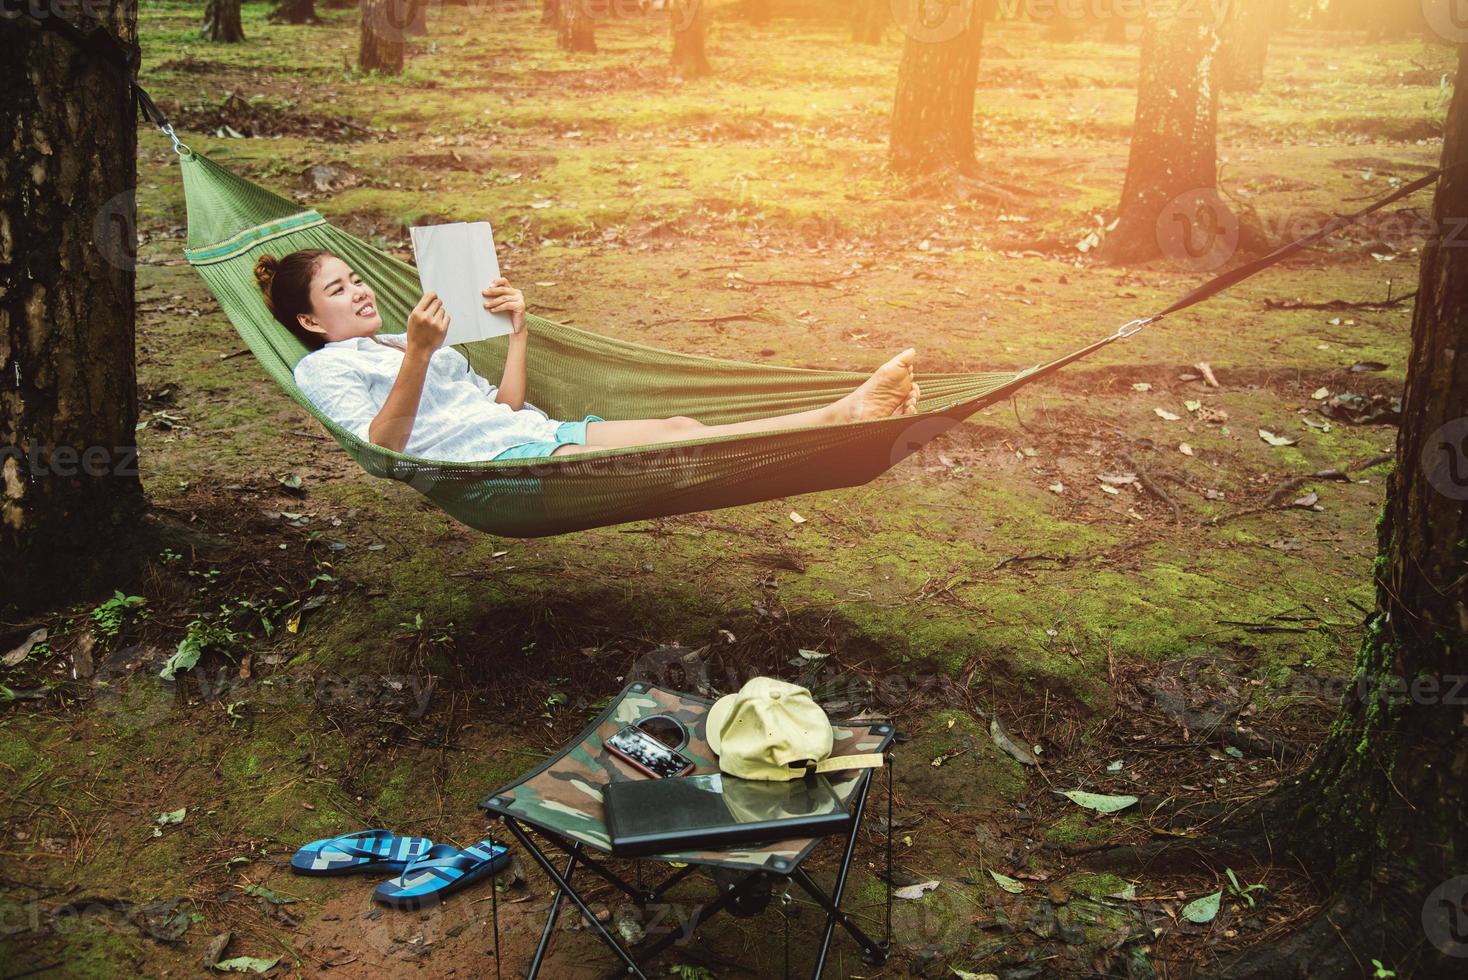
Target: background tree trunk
pixel 384 26
pixel 1380 814
pixel 548 13
pixel 1244 44
pixel 869 20
pixel 688 22
pixel 417 19
pixel 69 483
pixel 933 111
pixel 1170 205
pixel 222 21
pixel 294 12
pixel 757 11
pixel 575 30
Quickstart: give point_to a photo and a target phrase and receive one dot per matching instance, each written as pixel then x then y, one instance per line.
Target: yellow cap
pixel 770 729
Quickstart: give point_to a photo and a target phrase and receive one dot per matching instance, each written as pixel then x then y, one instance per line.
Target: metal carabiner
pixel 179 146
pixel 1135 327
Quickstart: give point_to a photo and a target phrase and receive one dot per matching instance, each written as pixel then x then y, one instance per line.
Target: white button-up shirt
pixel 458 419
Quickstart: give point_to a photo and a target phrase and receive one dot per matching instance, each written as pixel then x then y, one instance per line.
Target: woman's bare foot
pixel 912 399
pixel 887 392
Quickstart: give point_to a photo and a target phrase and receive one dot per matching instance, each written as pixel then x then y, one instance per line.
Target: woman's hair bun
pixel 265 270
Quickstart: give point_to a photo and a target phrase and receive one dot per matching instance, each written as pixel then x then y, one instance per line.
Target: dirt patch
pixel 252 118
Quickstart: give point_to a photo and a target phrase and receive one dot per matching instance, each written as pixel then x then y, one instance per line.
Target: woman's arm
pixel 428 324
pixel 394 424
pixel 501 297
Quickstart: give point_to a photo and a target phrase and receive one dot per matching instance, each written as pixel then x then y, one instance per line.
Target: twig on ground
pixel 823 283
pixel 1151 487
pixel 1339 304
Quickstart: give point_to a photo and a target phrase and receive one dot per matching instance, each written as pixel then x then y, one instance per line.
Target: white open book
pixel 457 261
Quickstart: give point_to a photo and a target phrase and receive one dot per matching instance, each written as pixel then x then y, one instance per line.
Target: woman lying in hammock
pixel 422 398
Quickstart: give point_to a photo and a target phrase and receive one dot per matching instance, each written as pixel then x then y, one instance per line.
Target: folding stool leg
pixel 564 888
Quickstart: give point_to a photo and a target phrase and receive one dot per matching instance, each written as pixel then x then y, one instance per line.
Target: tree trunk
pixel 548 13
pixel 933 110
pixel 1244 44
pixel 69 487
pixel 757 11
pixel 869 20
pixel 222 21
pixel 1170 205
pixel 688 22
pixel 417 19
pixel 1380 814
pixel 384 26
pixel 575 30
pixel 294 12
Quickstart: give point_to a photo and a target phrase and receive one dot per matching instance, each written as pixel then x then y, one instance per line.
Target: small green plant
pixel 683 972
pixel 111 616
pixel 201 635
pixel 235 711
pixel 1241 892
pixel 427 635
pixel 1382 973
pixel 168 556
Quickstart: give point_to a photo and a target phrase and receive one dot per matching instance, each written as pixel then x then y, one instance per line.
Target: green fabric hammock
pixel 574 373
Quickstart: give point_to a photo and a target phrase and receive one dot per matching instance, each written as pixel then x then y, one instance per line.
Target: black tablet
pixel 685 813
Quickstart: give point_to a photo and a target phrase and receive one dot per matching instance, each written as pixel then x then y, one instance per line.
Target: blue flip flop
pixel 366 851
pixel 442 871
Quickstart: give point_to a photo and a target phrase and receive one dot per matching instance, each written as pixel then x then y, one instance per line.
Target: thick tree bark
pixel 1170 205
pixel 1380 815
pixel 688 23
pixel 933 110
pixel 548 13
pixel 69 487
pixel 384 26
pixel 869 20
pixel 575 30
pixel 1244 44
pixel 294 12
pixel 222 21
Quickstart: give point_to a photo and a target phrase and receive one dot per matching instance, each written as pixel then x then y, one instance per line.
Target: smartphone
pixel 646 753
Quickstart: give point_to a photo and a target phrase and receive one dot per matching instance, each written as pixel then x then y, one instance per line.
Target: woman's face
pixel 342 304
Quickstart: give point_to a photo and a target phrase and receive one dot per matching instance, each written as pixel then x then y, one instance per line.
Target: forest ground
pixel 1156 622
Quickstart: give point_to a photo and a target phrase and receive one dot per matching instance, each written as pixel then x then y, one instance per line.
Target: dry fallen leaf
pixel 795 518
pixel 1165 415
pixel 1185 449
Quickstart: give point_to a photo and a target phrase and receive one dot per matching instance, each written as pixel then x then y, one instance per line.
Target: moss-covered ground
pixel 1179 639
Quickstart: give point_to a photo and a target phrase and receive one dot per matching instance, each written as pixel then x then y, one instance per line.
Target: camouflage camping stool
pixel 561 802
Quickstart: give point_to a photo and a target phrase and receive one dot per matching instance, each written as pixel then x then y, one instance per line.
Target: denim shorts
pixel 568 434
